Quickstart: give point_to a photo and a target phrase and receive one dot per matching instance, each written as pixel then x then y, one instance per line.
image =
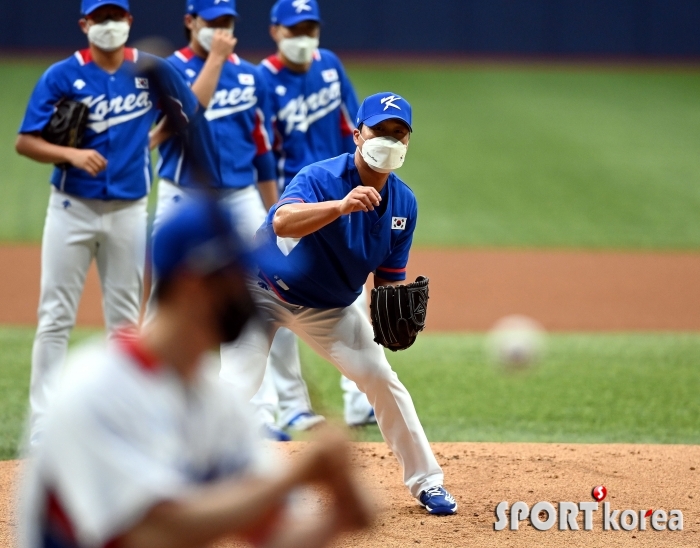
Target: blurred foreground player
pixel 338 221
pixel 97 208
pixel 245 179
pixel 313 107
pixel 144 449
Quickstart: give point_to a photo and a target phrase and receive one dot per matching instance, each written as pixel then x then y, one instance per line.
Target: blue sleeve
pixel 265 166
pixel 302 189
pixel 348 108
pixel 393 268
pixel 46 94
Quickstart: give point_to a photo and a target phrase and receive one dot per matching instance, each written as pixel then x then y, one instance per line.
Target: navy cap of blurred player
pixel 290 12
pixel 384 106
pixel 88 6
pixel 211 9
pixel 199 237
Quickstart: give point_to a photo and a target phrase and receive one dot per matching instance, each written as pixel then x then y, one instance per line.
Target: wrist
pixel 67 155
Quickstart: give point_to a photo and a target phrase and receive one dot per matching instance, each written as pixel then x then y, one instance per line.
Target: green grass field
pixel 590 388
pixel 501 156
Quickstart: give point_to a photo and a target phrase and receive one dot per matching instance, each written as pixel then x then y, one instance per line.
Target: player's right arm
pixel 48 91
pixel 35 147
pixel 208 80
pixel 296 219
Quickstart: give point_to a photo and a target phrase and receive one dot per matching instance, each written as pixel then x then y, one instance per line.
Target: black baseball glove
pixel 67 125
pixel 398 313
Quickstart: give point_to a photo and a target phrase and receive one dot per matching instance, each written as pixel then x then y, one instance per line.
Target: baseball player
pixel 313 106
pixel 97 208
pixel 338 221
pixel 143 448
pixel 236 114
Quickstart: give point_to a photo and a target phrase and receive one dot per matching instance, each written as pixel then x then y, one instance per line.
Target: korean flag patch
pixel 141 83
pixel 398 223
pixel 246 79
pixel 330 75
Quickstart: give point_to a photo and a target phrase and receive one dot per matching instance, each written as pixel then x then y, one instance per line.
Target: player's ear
pixel 356 137
pixel 83 24
pixel 274 32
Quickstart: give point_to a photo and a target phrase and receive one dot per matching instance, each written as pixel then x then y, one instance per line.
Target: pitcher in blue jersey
pixel 336 223
pixel 97 208
pixel 313 107
pixel 246 180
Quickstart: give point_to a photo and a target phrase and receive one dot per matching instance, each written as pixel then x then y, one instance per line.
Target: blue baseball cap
pixel 211 9
pixel 290 12
pixel 384 106
pixel 200 237
pixel 88 6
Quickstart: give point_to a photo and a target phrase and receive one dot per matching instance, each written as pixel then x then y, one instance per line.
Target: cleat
pixel 271 432
pixel 369 419
pixel 438 502
pixel 305 421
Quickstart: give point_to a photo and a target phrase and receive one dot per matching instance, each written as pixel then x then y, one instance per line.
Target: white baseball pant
pixel 283 391
pixel 78 230
pixel 344 337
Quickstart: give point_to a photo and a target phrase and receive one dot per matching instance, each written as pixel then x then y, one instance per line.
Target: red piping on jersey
pixel 233 58
pixel 58 521
pixel 187 53
pixel 272 286
pixel 129 341
pixel 275 62
pixel 346 125
pixel 260 138
pixel 85 55
pixel 392 270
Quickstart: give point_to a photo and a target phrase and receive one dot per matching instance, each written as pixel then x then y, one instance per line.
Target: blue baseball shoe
pixel 271 432
pixel 305 421
pixel 438 501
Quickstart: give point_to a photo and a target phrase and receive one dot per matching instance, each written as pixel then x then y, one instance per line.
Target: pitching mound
pixel 480 475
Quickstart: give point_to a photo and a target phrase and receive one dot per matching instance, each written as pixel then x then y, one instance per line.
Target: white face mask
pixel 299 50
pixel 383 154
pixel 205 36
pixel 110 35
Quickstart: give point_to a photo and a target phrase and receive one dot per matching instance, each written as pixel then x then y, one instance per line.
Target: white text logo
pixel 389 102
pixel 301 112
pixel 133 105
pixel 230 101
pixel 613 520
pixel 301 5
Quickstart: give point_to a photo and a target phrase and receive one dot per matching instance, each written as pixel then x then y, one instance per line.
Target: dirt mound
pixel 470 290
pixel 481 475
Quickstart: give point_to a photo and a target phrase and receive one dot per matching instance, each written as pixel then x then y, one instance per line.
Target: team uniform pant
pixel 78 230
pixel 283 393
pixel 344 337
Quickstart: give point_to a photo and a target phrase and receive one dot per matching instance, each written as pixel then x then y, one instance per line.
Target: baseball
pixel 516 342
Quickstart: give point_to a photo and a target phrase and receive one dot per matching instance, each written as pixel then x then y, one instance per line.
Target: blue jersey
pixel 236 118
pixel 327 269
pixel 312 113
pixel 122 110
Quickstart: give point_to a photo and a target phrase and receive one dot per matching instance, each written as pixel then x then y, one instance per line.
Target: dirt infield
pixel 481 475
pixel 470 290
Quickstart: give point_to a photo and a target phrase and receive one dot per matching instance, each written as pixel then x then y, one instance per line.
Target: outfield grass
pixel 639 388
pixel 574 157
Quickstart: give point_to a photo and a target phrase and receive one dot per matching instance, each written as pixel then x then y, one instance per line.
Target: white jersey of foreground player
pixel 124 434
